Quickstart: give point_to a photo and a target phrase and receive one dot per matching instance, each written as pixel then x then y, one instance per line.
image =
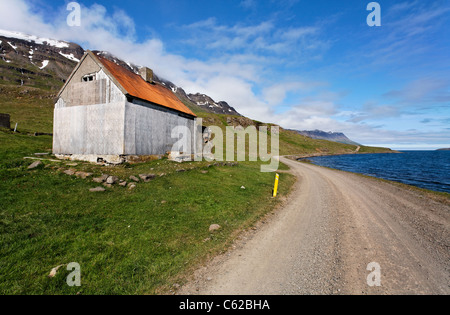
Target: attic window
pixel 88 78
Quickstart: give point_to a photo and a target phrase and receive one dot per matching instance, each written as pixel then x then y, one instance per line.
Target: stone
pixel 70 172
pixel 98 180
pixel 112 180
pixel 214 227
pixel 83 175
pixel 243 187
pixel 101 179
pixel 134 178
pixel 123 184
pixel 35 165
pixel 147 177
pixel 107 185
pixel 181 171
pixel 97 189
pixel 204 172
pixel 131 186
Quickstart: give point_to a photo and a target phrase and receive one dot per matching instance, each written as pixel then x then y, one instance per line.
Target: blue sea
pixel 424 169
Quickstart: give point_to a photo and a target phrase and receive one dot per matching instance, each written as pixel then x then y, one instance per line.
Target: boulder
pixel 134 179
pixel 83 175
pixel 214 227
pixel 35 165
pixel 123 184
pixel 70 172
pixel 101 179
pixel 98 180
pixel 112 180
pixel 147 177
pixel 97 189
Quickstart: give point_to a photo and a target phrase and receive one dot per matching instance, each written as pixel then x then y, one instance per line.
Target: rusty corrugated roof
pixel 137 87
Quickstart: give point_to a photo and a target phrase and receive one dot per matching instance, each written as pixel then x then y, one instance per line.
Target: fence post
pixel 275 190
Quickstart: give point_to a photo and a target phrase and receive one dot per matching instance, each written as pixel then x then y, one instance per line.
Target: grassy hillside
pixel 31 108
pixel 291 143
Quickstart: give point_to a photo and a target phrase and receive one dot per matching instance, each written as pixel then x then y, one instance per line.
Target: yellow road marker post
pixel 275 189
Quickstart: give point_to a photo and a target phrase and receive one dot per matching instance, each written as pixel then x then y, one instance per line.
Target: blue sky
pixel 298 63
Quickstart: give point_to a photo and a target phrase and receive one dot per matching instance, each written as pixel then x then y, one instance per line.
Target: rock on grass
pixel 97 189
pixel 214 227
pixel 35 165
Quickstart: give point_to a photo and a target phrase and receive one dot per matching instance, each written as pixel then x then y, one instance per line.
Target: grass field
pixel 126 242
pixel 30 108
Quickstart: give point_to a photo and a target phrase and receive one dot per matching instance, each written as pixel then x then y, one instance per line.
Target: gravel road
pixel 333 225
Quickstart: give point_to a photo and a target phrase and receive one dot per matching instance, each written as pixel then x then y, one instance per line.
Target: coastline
pixel 297 157
pixel 435 195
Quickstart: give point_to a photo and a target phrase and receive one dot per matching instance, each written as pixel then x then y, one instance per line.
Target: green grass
pixel 31 108
pixel 126 242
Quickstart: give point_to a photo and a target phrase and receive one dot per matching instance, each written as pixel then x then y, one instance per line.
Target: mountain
pixel 207 103
pixel 28 60
pixel 445 149
pixel 330 136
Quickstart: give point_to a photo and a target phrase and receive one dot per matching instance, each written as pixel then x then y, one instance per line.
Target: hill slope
pixel 37 62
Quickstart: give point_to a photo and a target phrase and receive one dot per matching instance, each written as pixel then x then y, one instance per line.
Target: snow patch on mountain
pixel 69 56
pixel 13 47
pixel 44 64
pixel 35 39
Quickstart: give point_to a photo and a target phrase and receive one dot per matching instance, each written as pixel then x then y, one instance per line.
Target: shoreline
pixel 439 194
pixel 297 157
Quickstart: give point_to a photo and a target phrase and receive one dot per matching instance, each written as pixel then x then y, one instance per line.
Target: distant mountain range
pixel 445 149
pixel 330 136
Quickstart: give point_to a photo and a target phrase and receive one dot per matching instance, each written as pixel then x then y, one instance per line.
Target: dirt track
pixel 323 239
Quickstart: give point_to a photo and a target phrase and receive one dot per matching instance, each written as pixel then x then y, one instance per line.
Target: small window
pixel 89 78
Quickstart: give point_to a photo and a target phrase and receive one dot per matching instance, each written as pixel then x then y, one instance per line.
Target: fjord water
pixel 424 169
